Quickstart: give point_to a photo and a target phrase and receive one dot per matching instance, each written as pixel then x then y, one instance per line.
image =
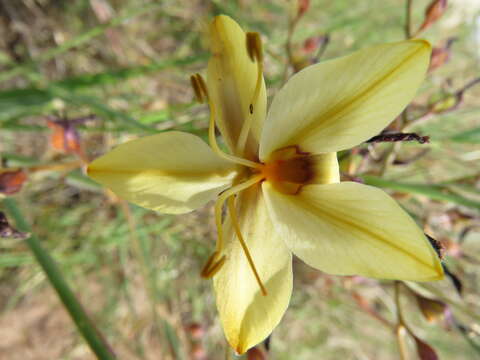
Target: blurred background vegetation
pixel 78 77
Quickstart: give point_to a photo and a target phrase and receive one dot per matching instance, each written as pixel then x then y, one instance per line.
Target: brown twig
pixel 469 85
pixel 362 303
pixel 395 137
pixel 322 48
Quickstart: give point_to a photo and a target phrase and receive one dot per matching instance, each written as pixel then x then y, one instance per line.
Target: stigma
pixel 288 170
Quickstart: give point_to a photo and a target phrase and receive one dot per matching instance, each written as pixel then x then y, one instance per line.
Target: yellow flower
pixel 280 179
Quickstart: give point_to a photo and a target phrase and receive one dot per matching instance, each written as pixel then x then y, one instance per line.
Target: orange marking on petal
pixel 288 169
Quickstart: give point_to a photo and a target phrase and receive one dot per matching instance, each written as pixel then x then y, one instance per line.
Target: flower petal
pixel 231 81
pixel 340 103
pixel 247 316
pixel 353 229
pixel 171 172
pixel 326 168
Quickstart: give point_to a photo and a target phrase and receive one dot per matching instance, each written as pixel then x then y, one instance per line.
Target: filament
pixel 236 226
pixel 254 49
pixel 201 93
pixel 213 143
pixel 214 263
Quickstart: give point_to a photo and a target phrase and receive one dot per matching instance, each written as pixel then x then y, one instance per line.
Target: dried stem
pixel 391 154
pixel 401 326
pixel 292 23
pixel 395 137
pixel 408 19
pixel 67 166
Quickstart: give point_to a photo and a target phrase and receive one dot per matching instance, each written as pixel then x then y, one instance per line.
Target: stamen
pixel 213 142
pixel 254 49
pixel 254 46
pixel 236 226
pixel 197 88
pixel 213 265
pixel 201 93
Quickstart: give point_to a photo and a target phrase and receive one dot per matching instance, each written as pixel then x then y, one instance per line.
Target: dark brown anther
pixel 213 265
pixel 254 46
pixel 197 90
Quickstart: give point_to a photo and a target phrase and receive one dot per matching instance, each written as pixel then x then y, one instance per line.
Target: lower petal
pixel 353 229
pixel 247 316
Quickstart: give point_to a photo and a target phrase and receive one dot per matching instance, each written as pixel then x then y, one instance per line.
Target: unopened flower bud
pixel 256 354
pixel 303 6
pixel 434 11
pixel 11 181
pixel 440 55
pixel 431 309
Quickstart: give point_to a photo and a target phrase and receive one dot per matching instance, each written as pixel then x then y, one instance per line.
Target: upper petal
pixel 247 316
pixel 231 81
pixel 340 103
pixel 171 172
pixel 353 229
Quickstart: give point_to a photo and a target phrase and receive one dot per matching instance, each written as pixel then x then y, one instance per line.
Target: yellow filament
pixel 213 143
pixel 221 200
pixel 254 47
pixel 236 226
pixel 213 265
pixel 201 92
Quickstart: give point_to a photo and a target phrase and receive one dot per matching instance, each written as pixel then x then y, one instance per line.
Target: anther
pixel 201 93
pixel 254 46
pixel 213 265
pixel 199 88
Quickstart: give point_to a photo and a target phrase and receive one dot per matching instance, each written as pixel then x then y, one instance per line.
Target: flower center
pixel 288 169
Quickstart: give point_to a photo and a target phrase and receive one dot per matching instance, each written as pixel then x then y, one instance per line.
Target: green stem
pixel 84 324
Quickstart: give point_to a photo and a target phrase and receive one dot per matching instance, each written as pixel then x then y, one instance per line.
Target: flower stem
pixel 401 328
pixel 84 324
pixel 408 19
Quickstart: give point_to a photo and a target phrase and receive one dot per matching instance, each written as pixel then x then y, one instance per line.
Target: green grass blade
pixel 100 108
pixel 435 192
pixel 470 137
pixel 85 326
pixel 111 77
